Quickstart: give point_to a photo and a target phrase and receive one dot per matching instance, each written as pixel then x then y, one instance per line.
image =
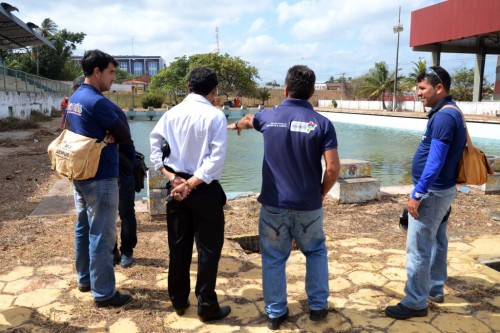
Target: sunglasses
pixel 430 71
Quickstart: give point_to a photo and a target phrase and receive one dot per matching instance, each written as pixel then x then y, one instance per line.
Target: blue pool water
pixel 389 150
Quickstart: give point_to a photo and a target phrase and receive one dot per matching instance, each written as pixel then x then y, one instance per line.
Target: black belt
pixel 184 174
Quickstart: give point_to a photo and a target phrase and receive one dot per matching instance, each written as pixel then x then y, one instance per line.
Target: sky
pixel 332 37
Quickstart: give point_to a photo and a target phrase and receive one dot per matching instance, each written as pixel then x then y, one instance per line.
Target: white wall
pixel 485 107
pixel 479 130
pixel 22 103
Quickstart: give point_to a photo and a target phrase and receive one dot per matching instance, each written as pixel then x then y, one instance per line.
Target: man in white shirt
pixel 196 133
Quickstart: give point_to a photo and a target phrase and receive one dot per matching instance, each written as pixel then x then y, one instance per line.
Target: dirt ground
pixel 25 177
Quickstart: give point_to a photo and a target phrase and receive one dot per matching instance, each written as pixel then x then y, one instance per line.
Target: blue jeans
pixel 277 227
pixel 427 249
pixel 96 204
pixel 126 211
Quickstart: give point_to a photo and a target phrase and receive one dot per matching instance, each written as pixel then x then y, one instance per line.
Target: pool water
pixel 389 150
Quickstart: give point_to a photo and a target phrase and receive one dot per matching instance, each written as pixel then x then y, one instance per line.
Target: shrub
pixel 152 99
pixel 39 116
pixel 12 123
pixel 334 103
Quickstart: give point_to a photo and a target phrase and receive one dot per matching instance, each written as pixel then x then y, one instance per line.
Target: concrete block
pixel 494 161
pixel 156 179
pixel 350 168
pixel 157 200
pixel 492 186
pixel 353 190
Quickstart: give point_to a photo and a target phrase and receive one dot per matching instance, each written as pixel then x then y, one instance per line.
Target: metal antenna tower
pixel 216 40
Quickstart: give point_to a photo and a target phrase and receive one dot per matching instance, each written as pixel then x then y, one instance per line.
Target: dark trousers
pixel 200 218
pixel 126 211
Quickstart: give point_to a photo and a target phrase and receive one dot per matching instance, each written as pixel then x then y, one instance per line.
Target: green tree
pixel 273 84
pixel 410 82
pixel 263 94
pixel 462 84
pixel 45 61
pixel 377 82
pixel 172 81
pixel 236 77
pixel 331 80
pixel 122 75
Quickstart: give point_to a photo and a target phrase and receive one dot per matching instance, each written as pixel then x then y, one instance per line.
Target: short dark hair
pixel 300 81
pixel 78 82
pixel 435 75
pixel 96 58
pixel 202 80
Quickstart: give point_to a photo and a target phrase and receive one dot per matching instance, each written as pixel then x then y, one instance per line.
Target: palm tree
pixel 377 82
pixel 418 68
pixel 48 28
pixel 263 94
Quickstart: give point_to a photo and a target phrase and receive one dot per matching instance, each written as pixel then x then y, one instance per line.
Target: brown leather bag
pixel 473 167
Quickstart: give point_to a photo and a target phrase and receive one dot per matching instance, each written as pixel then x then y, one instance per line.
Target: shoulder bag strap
pixel 469 141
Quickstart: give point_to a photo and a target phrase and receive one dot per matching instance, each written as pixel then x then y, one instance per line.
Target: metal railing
pixel 16 80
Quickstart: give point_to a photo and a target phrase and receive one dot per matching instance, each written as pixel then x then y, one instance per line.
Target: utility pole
pixel 217 49
pixel 342 80
pixel 397 29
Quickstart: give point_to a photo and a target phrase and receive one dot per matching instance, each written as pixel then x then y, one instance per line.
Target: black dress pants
pixel 200 218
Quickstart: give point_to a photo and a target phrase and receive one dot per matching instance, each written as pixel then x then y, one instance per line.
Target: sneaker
pixel 274 323
pixel 402 312
pixel 126 260
pixel 116 301
pixel 317 315
pixel 436 298
pixel 84 287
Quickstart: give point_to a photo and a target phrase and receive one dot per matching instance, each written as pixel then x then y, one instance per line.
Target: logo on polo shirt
pixel 75 108
pixel 300 126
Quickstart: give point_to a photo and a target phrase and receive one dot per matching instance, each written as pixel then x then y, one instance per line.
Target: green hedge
pixel 152 99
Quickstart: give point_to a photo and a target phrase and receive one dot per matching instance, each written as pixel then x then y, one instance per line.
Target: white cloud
pixel 330 36
pixel 257 25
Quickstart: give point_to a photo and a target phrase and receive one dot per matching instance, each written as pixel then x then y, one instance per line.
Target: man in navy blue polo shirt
pixel 434 173
pixel 294 186
pixel 91 114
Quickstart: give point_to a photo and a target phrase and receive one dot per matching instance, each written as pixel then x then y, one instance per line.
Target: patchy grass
pixel 12 123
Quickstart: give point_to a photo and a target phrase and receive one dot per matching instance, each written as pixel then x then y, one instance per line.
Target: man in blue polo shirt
pixel 91 114
pixel 294 186
pixel 434 173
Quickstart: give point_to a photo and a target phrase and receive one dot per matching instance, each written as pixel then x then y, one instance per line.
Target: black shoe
pixel 116 257
pixel 317 315
pixel 436 298
pixel 182 309
pixel 84 288
pixel 116 301
pixel 274 323
pixel 402 312
pixel 221 313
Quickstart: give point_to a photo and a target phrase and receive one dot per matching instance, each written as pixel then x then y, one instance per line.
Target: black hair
pixel 78 82
pixel 202 80
pixel 300 81
pixel 96 58
pixel 435 75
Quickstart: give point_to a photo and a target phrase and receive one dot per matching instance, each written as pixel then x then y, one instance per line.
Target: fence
pixel 15 80
pixel 125 100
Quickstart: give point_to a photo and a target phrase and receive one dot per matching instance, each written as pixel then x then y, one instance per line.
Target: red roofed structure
pixel 460 26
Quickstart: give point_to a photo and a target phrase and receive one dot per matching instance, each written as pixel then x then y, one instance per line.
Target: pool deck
pixel 374 269
pixel 480 118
